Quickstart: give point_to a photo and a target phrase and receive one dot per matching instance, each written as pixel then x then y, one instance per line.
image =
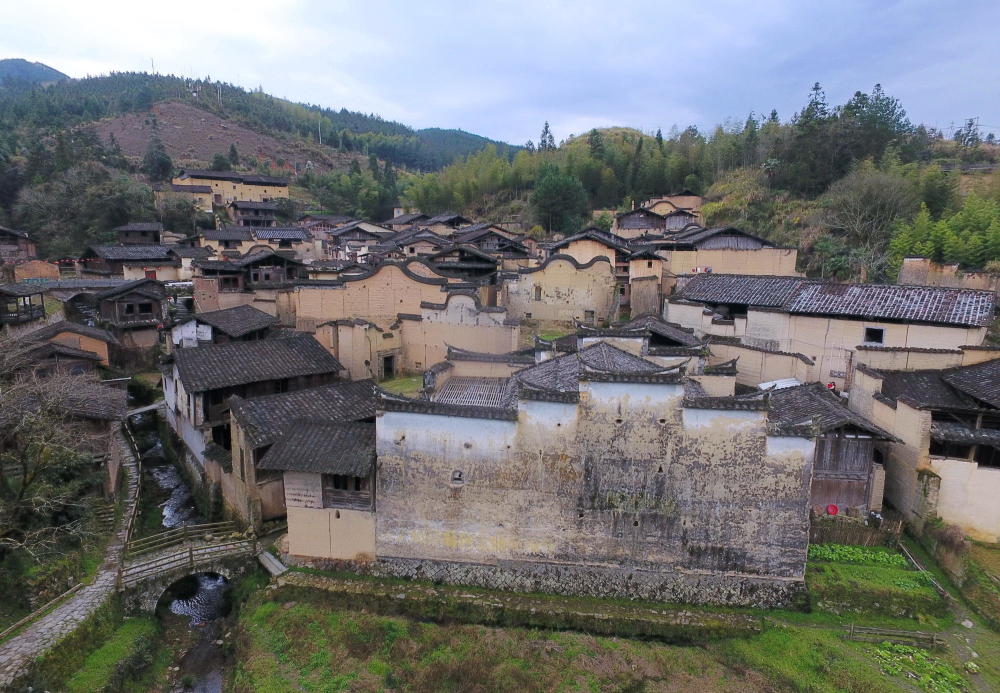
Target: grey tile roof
pixel 246 204
pixel 20 289
pixel 131 252
pixel 810 408
pixel 55 328
pixel 20 234
pixel 47 349
pixel 293 233
pixel 86 399
pixel 250 178
pixel 228 233
pixel 562 374
pixel 772 292
pixel 238 320
pixel 954 432
pixel 239 363
pixel 664 329
pixel 925 389
pixel 264 419
pixel 140 226
pixel 477 392
pixel 981 381
pixel 929 304
pixel 323 447
pixel 196 253
pixel 151 286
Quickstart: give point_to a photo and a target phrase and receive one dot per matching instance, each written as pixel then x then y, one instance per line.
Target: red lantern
pixel 832 509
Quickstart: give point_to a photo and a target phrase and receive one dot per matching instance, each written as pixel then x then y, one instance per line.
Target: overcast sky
pixel 502 68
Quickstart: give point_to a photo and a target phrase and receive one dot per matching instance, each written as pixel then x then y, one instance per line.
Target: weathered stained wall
pixel 378 298
pixel 967 497
pixel 576 497
pixel 769 261
pixel 318 532
pixel 829 342
pixel 567 292
pixel 926 272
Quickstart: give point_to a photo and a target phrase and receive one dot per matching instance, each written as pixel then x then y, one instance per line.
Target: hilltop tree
pixel 220 162
pixel 546 142
pixel 156 163
pixel 559 201
pixel 234 156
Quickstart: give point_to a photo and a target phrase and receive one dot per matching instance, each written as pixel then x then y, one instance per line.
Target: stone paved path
pixel 19 651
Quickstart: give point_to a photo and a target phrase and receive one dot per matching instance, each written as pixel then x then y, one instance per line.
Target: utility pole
pixel 319 127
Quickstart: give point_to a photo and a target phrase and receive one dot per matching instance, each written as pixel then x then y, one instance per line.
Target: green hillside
pixel 24 105
pixel 19 69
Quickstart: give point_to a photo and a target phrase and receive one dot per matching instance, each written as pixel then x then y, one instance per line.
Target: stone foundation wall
pixel 688 587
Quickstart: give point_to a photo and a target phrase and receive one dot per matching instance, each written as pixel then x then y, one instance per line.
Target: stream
pixel 193 610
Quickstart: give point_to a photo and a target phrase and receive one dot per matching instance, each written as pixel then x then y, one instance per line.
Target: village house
pixel 239 323
pixel 131 262
pixel 944 459
pixel 402 221
pixel 414 341
pixel 198 384
pixel 134 312
pixel 685 201
pixel 20 270
pixel 563 290
pixel 93 340
pixel 638 222
pixel 595 472
pixel 266 431
pixel 846 474
pixel 720 250
pixel 20 304
pixel 229 186
pixel 826 323
pixel 185 257
pixel 139 233
pixel 238 239
pixel 252 279
pixel 16 245
pixel 353 241
pixel 244 213
pixel 446 223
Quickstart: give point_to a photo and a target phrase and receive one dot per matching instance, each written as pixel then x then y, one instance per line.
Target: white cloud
pixel 502 68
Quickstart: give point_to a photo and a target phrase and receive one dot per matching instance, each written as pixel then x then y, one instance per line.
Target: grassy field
pixel 408 385
pixel 298 641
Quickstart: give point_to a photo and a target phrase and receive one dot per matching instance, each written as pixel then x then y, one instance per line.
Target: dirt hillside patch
pixel 194 136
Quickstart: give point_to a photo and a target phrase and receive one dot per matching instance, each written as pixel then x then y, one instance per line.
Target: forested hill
pixel 856 186
pixel 73 102
pixel 20 70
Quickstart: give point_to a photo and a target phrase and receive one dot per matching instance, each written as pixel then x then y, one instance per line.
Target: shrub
pixel 864 555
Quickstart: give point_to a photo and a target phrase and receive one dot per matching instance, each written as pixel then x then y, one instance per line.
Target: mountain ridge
pixel 31 72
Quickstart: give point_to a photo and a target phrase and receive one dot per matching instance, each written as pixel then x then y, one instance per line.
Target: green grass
pixel 549 335
pixel 297 640
pixel 407 385
pixel 101 665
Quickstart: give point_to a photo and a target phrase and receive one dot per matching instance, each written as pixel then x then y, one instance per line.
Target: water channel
pixel 194 610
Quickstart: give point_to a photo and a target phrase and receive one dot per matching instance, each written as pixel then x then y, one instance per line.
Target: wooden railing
pixel 134 510
pixel 39 611
pixel 897 637
pixel 188 558
pixel 175 537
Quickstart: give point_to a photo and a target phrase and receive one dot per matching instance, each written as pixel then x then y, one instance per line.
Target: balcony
pixel 24 314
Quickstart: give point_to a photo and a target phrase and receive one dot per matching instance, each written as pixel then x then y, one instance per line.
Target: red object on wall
pixel 832 509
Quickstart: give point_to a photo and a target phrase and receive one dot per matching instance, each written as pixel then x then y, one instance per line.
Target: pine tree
pixel 234 156
pixel 546 142
pixel 156 163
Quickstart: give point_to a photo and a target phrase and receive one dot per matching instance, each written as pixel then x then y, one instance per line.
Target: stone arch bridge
pixel 153 564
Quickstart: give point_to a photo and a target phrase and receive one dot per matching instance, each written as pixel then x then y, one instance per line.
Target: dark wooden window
pixel 341 491
pixel 874 335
